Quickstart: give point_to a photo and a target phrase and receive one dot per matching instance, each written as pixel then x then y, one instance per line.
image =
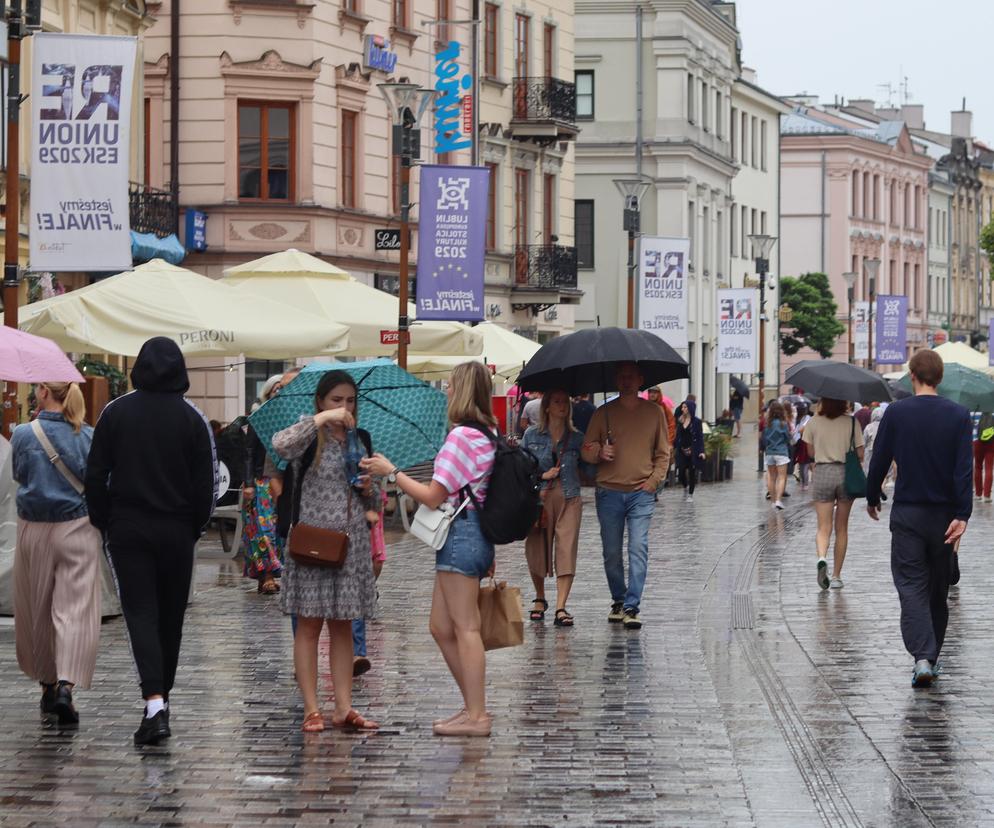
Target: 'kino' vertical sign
pixel 451 241
pixel 454 85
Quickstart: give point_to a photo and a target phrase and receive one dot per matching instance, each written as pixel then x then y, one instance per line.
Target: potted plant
pixel 717 465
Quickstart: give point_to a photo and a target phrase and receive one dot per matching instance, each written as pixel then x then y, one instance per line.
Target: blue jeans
pixel 359 637
pixel 615 510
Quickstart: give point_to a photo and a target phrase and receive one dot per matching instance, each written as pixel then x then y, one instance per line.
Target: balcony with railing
pixel 544 109
pixel 153 211
pixel 544 275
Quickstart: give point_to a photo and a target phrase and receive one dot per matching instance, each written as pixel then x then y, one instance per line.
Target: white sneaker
pixel 778 506
pixel 987 500
pixel 689 498
pixel 835 583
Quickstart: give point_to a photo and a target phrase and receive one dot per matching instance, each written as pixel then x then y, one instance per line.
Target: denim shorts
pixel 777 459
pixel 466 551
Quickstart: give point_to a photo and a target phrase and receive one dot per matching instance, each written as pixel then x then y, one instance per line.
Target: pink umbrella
pixel 28 358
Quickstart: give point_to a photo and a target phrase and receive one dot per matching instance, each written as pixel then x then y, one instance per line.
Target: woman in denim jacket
pixel 551 547
pixel 57 562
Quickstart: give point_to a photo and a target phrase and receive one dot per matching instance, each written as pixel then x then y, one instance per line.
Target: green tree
pixel 987 240
pixel 814 324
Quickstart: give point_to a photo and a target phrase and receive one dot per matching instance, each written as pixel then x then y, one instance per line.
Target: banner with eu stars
pixel 451 242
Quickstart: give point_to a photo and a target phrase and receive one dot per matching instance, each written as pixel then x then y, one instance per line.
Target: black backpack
pixel 512 504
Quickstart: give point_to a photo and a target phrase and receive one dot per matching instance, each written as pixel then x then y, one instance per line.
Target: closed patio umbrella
pixel 311 284
pixel 203 316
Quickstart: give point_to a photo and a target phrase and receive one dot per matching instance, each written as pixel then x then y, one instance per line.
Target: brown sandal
pixel 353 721
pixel 313 722
pixel 268 587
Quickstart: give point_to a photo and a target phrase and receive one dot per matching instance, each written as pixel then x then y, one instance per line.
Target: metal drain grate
pixel 742 614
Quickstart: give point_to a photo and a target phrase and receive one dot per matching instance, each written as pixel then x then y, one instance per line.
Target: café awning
pixel 503 349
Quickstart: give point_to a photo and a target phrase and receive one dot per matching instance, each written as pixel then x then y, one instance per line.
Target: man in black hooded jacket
pixel 151 483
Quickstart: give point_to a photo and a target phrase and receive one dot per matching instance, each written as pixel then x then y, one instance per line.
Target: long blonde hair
pixel 471 395
pixel 543 411
pixel 68 395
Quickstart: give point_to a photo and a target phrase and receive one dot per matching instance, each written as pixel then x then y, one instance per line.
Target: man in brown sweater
pixel 627 439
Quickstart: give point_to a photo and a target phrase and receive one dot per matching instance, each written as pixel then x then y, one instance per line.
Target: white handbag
pixel 431 526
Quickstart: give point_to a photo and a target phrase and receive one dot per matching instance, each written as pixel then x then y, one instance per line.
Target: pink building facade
pixel 852 193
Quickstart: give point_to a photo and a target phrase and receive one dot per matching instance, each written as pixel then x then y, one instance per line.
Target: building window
pixel 583 232
pixel 931 220
pixel 521 26
pixel 717 113
pixel 762 145
pixel 690 98
pixel 732 221
pixel 349 144
pixel 491 26
pixel 893 202
pixel 399 13
pixel 918 207
pixel 866 195
pixel 907 280
pixel 442 13
pixel 705 114
pixel 266 151
pixel 855 194
pixel 752 222
pixel 492 206
pixel 762 222
pixel 753 143
pixel 745 135
pixel 706 240
pixel 584 94
pixel 522 183
pixel 734 137
pixel 390 283
pixel 914 287
pixel 548 207
pixel 891 276
pixel 548 49
pixel 876 198
pixel 692 233
pixel 907 205
pixel 147 110
pixel 744 232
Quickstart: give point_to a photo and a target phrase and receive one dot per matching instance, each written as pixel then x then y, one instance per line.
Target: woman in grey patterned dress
pixel 319 594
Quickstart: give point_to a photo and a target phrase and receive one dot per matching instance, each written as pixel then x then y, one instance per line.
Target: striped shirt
pixel 466 459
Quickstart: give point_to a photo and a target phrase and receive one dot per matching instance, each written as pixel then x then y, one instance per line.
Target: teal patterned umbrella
pixel 405 417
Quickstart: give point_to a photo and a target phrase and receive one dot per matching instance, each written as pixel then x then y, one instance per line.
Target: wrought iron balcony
pixel 544 108
pixel 153 211
pixel 545 267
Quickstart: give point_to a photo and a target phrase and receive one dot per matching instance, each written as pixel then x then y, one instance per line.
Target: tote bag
pixel 855 480
pixel 502 624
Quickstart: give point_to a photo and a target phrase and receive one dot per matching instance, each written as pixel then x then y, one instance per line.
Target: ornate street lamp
pixel 407 104
pixel 872 269
pixel 850 279
pixel 761 247
pixel 632 190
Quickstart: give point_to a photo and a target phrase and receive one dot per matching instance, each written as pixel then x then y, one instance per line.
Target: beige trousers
pixel 57 600
pixel 552 550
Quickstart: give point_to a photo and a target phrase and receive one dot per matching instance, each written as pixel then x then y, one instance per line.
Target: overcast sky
pixel 853 48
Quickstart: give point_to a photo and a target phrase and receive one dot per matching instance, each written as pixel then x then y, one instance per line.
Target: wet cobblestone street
pixel 750 697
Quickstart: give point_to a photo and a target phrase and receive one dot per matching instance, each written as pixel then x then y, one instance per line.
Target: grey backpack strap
pixel 53 456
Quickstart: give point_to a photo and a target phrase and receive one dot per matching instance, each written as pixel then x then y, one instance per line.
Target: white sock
pixel 153 706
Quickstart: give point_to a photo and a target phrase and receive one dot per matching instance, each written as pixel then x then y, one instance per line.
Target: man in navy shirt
pixel 930 439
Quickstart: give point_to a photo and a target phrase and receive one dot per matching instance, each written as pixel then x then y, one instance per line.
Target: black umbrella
pixel 838 381
pixel 738 385
pixel 897 391
pixel 585 361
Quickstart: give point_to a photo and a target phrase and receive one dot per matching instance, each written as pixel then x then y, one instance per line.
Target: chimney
pixel 913 115
pixel 862 104
pixel 961 123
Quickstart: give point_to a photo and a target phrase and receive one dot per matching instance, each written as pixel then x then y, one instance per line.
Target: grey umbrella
pixel 738 385
pixel 838 381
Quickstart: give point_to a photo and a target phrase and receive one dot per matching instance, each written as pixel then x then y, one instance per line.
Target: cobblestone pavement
pixel 749 698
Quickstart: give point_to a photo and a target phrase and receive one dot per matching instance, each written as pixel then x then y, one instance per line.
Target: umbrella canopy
pixel 204 317
pixel 971 389
pixel 961 354
pixel 897 391
pixel 838 381
pixel 308 283
pixel 504 349
pixel 738 385
pixel 405 417
pixel 585 361
pixel 27 358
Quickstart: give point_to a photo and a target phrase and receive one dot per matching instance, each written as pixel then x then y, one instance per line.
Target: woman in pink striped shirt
pixel 466 460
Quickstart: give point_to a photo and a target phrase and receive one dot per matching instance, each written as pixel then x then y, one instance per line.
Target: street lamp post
pixel 850 288
pixel 632 190
pixel 872 269
pixel 761 246
pixel 407 104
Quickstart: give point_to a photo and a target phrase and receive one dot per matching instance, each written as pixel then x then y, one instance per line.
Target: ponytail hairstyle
pixel 68 395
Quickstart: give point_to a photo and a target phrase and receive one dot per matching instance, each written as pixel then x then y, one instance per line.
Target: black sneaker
pixel 632 621
pixel 63 706
pixel 616 615
pixel 154 730
pixel 47 700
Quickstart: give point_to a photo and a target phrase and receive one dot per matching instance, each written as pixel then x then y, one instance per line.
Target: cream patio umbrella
pixel 504 349
pixel 961 354
pixel 203 316
pixel 306 282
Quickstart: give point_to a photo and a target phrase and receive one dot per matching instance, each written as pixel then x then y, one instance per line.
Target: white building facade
pixel 665 111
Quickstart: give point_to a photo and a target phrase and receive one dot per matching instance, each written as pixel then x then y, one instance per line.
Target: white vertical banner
pixel 861 330
pixel 663 288
pixel 80 151
pixel 738 324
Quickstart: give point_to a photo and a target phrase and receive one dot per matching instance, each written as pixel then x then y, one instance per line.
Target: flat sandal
pixel 563 618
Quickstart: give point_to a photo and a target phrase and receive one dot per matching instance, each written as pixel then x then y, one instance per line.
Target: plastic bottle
pixel 354 452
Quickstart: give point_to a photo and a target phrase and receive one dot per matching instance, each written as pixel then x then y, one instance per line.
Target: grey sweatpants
pixel 921 563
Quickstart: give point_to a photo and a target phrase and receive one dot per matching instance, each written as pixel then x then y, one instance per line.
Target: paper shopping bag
pixel 502 623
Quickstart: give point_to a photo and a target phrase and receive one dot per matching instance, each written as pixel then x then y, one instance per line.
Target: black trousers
pixel 153 564
pixel 687 473
pixel 921 564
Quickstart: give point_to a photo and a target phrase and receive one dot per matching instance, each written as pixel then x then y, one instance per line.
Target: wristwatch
pixel 392 477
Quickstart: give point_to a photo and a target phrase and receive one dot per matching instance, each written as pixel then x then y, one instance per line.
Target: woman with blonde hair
pixel 551 547
pixel 57 562
pixel 465 460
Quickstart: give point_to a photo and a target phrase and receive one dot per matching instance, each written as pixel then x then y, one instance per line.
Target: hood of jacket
pixel 160 367
pixel 691 407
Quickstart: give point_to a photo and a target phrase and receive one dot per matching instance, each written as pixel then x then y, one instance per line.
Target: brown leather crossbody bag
pixel 313 546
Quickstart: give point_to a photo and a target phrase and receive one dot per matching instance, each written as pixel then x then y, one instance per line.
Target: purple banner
pixel 891 339
pixel 451 240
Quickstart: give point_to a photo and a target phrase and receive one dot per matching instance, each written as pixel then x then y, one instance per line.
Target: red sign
pixel 393 337
pixel 467 114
